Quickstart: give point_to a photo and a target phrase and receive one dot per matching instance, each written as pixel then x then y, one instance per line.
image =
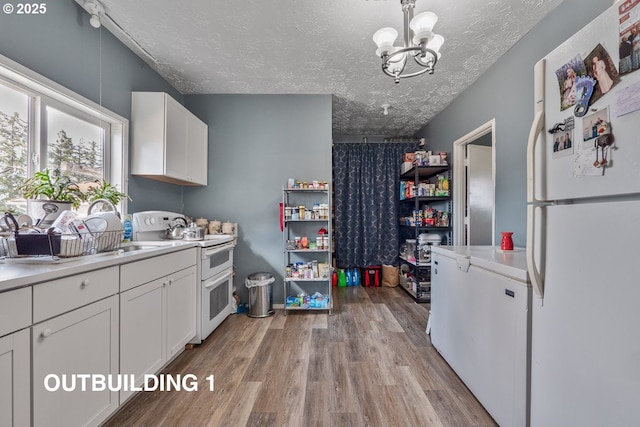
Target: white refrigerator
pixel 583 229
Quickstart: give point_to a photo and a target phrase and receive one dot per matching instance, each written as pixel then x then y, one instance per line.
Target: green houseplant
pixel 53 186
pixel 48 193
pixel 104 190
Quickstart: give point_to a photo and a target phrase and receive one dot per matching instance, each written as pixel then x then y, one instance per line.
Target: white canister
pixel 227 228
pixel 214 226
pixel 203 223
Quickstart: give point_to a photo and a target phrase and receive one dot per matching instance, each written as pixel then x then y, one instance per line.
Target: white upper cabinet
pixel 169 143
pixel 197 131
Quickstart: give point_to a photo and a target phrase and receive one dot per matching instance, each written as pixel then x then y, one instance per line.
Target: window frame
pixel 44 92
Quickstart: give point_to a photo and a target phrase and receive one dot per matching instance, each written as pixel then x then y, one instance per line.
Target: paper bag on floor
pixel 389 276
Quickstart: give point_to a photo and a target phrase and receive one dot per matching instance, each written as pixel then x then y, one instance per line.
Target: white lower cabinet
pixel 15 386
pixel 65 348
pixel 63 340
pixel 142 341
pixel 181 311
pixel 157 319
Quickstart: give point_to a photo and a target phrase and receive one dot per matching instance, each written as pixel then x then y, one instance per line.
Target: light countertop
pixel 512 264
pixel 16 273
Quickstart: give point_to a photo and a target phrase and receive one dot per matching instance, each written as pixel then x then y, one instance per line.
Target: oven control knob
pixel 153 220
pixel 146 221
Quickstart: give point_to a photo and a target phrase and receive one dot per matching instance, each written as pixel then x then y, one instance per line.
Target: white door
pixel 15 371
pixel 181 310
pixel 197 150
pixel 176 140
pixel 142 339
pixel 83 341
pixel 474 187
pixel 480 197
pixel 585 346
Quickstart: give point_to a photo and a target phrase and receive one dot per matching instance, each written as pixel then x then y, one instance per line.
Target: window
pixel 14 138
pixel 45 126
pixel 75 147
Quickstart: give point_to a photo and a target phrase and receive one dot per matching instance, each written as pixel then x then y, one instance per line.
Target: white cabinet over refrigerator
pixel 583 182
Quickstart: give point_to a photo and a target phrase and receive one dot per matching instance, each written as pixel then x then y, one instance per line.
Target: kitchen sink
pixel 132 248
pixel 147 245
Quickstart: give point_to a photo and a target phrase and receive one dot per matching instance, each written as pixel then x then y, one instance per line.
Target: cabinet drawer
pixel 15 310
pixel 62 295
pixel 138 273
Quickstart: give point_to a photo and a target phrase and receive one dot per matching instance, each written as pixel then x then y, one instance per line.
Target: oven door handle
pixel 209 252
pixel 210 283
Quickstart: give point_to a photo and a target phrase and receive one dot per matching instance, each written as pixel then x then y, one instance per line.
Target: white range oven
pixel 214 265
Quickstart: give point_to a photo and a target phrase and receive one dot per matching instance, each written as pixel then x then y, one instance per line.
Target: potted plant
pixel 48 193
pixel 104 190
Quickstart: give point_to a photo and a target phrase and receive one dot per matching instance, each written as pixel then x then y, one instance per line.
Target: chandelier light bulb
pixel 423 22
pixel 436 43
pixel 396 62
pixel 384 39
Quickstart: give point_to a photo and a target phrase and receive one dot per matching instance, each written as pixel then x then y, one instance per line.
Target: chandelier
pixel 420 44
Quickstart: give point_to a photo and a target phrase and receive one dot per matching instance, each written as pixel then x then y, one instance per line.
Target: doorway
pixel 474 187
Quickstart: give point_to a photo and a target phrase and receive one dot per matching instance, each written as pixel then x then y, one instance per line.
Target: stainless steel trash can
pixel 260 287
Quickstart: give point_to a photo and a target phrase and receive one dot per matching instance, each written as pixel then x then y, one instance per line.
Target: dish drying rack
pixel 55 245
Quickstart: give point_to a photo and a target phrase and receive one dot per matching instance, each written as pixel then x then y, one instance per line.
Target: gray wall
pixel 256 142
pixel 62 46
pixel 505 92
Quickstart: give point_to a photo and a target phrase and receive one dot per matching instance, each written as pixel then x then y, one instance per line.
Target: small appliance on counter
pixel 193 233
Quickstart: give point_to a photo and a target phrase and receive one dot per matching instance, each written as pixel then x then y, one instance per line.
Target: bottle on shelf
pixel 342 278
pixel 334 278
pixel 349 278
pixel 355 278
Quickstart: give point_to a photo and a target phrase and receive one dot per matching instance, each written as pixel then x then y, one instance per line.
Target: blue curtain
pixel 366 197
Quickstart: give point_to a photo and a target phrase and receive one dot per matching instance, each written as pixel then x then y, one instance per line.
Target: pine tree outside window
pixel 14 143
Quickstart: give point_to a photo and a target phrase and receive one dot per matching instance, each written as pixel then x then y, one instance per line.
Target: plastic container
pixel 411 249
pixel 372 275
pixel 342 278
pixel 128 229
pixel 355 277
pixel 260 294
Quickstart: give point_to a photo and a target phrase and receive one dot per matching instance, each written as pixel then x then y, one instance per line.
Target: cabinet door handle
pixel 435 262
pixel 164 284
pixel 47 332
pixel 85 283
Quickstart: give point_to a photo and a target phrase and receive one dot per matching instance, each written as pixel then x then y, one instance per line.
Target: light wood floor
pixel 369 364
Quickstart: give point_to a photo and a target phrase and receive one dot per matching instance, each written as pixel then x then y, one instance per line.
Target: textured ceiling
pixel 322 47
